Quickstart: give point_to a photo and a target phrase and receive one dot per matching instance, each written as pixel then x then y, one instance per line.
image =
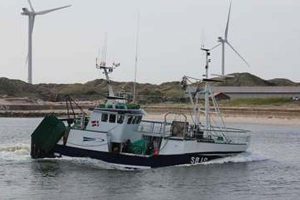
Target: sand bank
pixel 240 119
pixel 235 115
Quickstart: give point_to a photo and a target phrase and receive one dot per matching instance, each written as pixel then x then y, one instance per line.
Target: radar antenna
pixel 106 69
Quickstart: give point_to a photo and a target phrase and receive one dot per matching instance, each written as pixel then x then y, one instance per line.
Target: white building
pixel 259 92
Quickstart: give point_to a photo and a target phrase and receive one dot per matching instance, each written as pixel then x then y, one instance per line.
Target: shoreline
pixel 247 119
pixel 256 115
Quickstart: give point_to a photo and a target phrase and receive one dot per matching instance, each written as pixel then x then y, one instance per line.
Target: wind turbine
pixel 31 13
pixel 223 41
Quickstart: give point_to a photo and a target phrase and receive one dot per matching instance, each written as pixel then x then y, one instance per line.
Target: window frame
pixel 139 119
pixel 104 119
pixel 120 119
pixel 112 116
pixel 129 119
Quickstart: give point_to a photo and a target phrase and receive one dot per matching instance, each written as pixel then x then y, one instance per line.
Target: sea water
pixel 270 169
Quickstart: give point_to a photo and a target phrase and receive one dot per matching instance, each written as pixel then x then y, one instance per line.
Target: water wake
pixel 97 164
pixel 21 152
pixel 240 158
pixel 93 163
pixel 15 152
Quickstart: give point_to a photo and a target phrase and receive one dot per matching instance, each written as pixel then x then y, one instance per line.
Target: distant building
pixel 221 96
pixel 259 92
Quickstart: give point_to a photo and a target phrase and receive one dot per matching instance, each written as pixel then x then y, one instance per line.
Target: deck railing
pixel 228 135
pixel 155 127
pixel 215 134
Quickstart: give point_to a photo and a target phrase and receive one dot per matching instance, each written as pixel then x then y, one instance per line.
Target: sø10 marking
pixel 196 160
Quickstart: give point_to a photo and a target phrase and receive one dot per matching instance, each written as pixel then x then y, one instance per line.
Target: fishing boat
pixel 116 133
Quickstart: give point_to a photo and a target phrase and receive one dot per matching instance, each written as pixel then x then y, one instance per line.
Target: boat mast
pixel 136 57
pixel 195 98
pixel 207 88
pixel 106 70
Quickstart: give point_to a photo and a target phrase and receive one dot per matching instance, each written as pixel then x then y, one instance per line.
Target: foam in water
pixel 243 157
pixel 21 152
pixel 240 158
pixel 15 152
pixel 98 164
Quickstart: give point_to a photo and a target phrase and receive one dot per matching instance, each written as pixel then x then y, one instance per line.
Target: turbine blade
pixel 51 10
pixel 215 46
pixel 31 7
pixel 238 53
pixel 227 25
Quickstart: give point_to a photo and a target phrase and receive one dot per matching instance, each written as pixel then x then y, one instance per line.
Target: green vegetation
pixel 282 82
pixel 244 79
pixel 170 92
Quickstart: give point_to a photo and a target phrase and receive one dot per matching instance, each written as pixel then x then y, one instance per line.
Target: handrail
pixel 226 129
pixel 168 113
pixel 156 127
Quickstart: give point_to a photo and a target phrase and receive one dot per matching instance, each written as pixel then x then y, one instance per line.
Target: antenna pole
pixel 136 56
pixel 207 90
pixel 110 90
pixel 104 50
pixel 106 69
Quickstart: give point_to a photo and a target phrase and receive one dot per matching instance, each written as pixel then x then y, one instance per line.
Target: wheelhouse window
pixel 130 118
pixel 134 119
pixel 120 119
pixel 112 118
pixel 138 120
pixel 104 117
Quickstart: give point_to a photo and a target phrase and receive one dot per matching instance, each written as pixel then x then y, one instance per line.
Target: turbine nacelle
pixel 220 39
pixel 25 11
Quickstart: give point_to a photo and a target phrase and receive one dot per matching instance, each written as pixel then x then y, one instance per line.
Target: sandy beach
pixel 258 114
pixel 241 119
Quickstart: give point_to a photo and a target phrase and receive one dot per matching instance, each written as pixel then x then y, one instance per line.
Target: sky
pixel 66 42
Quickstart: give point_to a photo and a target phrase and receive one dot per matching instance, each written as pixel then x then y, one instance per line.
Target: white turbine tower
pixel 224 41
pixel 31 13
